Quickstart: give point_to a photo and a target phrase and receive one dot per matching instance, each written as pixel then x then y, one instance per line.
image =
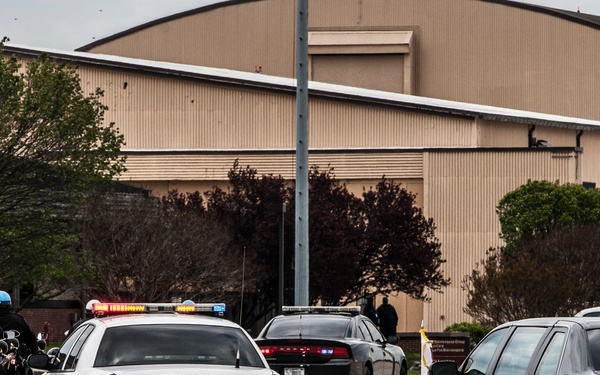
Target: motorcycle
pixel 12 357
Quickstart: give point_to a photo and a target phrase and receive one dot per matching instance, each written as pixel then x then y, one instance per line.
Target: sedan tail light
pixel 329 352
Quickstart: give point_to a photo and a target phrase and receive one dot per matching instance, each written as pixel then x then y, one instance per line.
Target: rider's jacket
pixel 13 321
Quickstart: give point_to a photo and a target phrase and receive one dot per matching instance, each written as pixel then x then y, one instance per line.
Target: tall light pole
pixel 301 245
pixel 280 208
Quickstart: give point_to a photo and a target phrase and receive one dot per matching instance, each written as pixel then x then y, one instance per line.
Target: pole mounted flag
pixel 426 351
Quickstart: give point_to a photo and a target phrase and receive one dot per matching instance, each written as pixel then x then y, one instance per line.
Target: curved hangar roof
pixel 582 18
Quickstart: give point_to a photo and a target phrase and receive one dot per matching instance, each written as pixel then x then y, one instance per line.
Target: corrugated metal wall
pixel 466 50
pixel 161 113
pixel 461 192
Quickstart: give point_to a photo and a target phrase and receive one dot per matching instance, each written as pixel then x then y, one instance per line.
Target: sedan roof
pixel 585 322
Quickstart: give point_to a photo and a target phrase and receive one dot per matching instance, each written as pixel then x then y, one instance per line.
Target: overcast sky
pixel 69 24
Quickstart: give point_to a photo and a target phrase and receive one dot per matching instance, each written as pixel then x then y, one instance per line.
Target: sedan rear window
pixel 309 327
pixel 175 344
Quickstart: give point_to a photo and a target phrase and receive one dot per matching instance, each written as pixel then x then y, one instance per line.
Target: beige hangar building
pixel 461 101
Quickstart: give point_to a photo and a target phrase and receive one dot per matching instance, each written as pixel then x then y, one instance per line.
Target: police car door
pixel 378 352
pixel 68 354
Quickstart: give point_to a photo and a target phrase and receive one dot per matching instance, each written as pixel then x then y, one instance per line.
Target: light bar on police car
pixel 201 307
pixel 100 309
pixel 321 309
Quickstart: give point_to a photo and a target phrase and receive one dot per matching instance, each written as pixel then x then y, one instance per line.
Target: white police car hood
pixel 178 370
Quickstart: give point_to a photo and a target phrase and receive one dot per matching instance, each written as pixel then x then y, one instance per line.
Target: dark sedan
pixel 329 340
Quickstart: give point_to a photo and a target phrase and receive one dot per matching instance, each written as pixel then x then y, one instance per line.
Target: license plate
pixel 293 371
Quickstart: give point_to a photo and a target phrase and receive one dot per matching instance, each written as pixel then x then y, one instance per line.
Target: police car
pixel 149 339
pixel 329 340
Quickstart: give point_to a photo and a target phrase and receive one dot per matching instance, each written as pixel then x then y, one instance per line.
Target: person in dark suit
pixel 388 318
pixel 370 311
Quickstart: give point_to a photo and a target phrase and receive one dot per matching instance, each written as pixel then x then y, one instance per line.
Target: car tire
pixel 403 370
pixel 366 371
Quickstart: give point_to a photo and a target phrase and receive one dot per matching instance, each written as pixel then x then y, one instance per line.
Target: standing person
pixel 370 311
pixel 388 319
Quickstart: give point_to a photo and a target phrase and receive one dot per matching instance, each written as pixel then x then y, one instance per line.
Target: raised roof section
pixel 582 18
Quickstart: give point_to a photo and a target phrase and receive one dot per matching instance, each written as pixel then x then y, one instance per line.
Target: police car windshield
pixel 175 344
pixel 309 326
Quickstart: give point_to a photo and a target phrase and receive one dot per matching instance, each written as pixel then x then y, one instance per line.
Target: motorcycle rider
pixel 13 321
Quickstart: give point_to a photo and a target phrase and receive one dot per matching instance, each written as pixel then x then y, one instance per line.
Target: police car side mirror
pixel 39 361
pixel 392 339
pixel 443 368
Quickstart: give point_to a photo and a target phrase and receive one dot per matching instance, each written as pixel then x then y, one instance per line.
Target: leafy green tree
pixel 552 234
pixel 54 147
pixel 539 207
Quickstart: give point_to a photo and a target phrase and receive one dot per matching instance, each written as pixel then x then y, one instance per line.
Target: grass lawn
pixel 410 359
